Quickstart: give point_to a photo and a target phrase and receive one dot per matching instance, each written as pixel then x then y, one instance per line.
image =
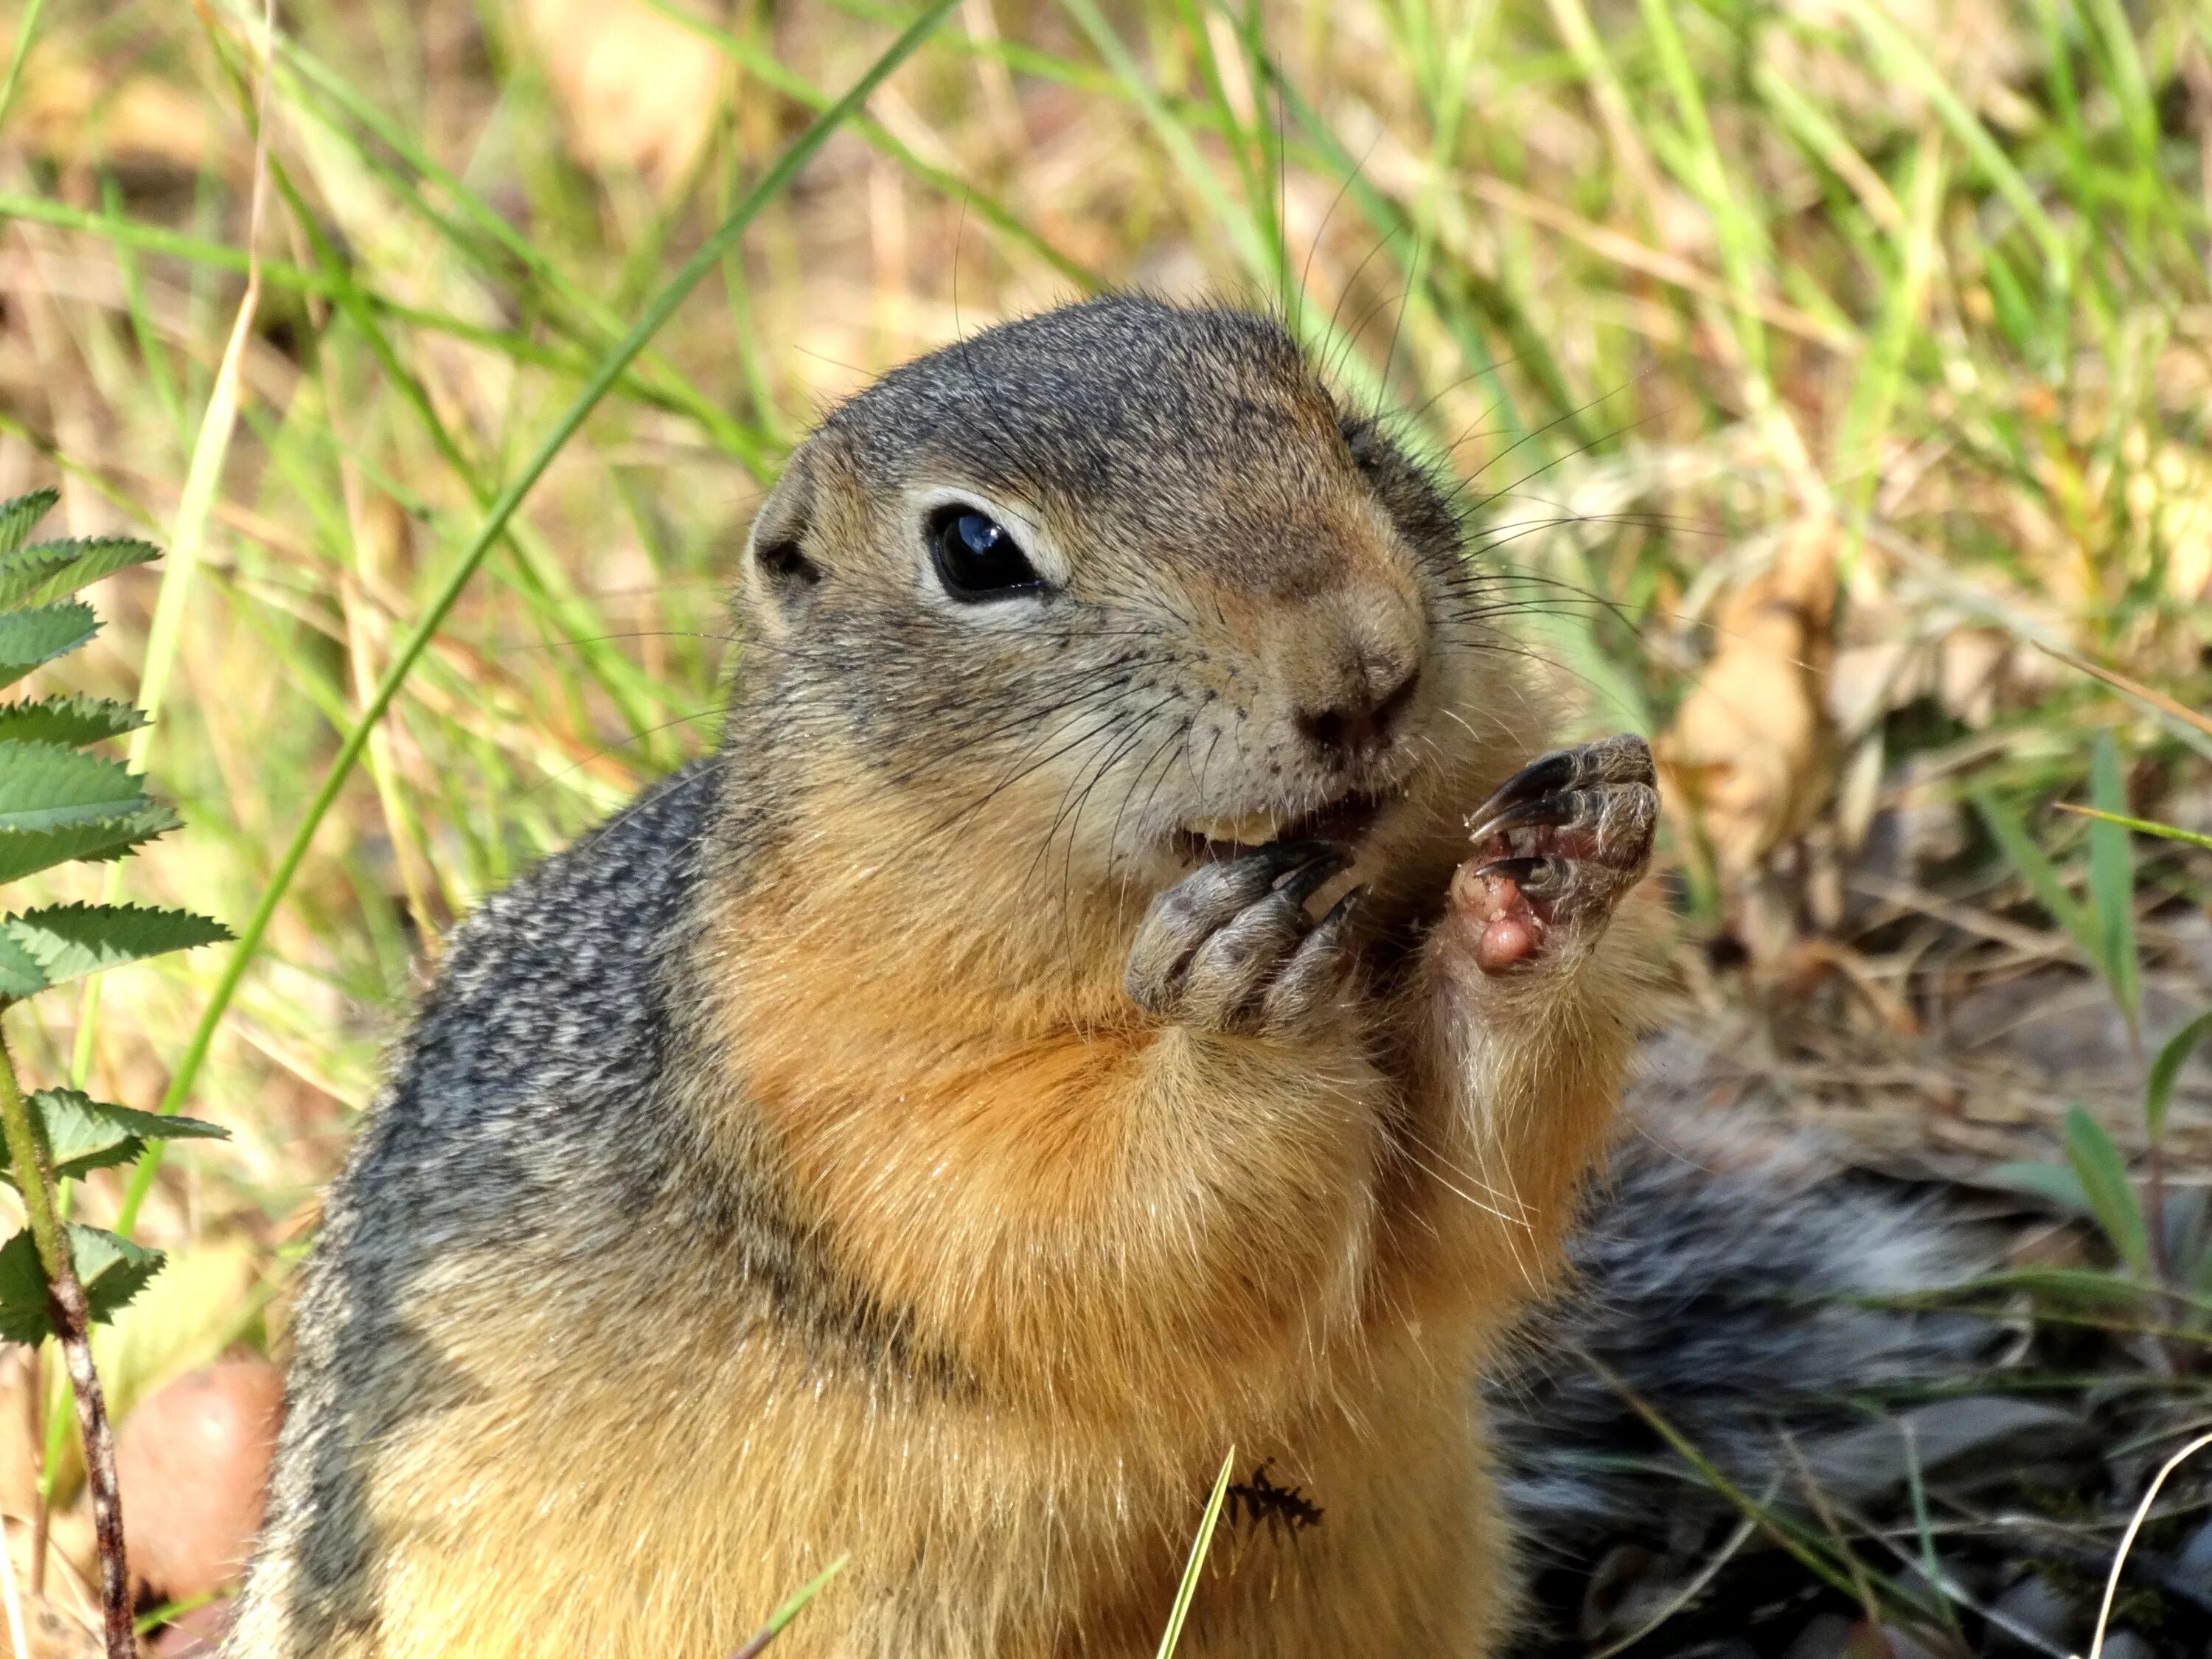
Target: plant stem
pixel 72 1320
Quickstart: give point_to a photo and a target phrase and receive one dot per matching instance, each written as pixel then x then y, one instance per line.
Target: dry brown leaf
pixel 636 91
pixel 1751 752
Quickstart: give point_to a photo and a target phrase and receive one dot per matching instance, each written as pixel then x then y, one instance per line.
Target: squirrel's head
pixel 1100 592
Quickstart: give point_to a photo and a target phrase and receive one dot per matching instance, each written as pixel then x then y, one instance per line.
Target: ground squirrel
pixel 1071 1027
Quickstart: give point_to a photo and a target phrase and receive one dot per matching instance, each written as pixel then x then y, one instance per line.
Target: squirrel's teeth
pixel 1248 829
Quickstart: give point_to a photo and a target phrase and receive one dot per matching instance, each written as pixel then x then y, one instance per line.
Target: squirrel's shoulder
pixel 552 1001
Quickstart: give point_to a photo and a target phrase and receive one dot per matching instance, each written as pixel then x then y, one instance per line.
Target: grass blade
pixel 2040 874
pixel 706 258
pixel 2141 826
pixel 771 72
pixel 1910 64
pixel 789 1611
pixel 2195 718
pixel 2111 1197
pixel 1187 1590
pixel 2158 1089
pixel 2112 878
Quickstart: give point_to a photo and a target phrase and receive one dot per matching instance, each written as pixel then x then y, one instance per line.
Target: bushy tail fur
pixel 1723 1282
pixel 1729 1285
pixel 1870 1467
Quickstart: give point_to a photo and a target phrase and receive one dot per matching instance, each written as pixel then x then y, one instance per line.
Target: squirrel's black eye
pixel 977 558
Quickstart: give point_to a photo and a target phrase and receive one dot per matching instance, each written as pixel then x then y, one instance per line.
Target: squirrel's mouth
pixel 1345 821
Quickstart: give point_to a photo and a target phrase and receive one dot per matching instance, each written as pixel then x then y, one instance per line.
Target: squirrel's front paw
pixel 1230 947
pixel 1555 848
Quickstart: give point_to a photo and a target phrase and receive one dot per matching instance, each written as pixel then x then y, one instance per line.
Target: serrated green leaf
pixel 2103 1172
pixel 71 720
pixel 2041 875
pixel 68 941
pixel 22 852
pixel 28 638
pixel 111 1269
pixel 20 515
pixel 33 576
pixel 2158 1088
pixel 2111 876
pixel 20 973
pixel 44 784
pixel 81 1134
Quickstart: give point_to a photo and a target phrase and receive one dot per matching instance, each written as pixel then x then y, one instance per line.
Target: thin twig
pixel 72 1318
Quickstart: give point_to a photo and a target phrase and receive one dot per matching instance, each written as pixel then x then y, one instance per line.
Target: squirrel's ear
pixel 781 574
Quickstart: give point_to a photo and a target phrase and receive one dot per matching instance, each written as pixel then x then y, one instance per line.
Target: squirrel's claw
pixel 1230 947
pixel 1556 846
pixel 1309 979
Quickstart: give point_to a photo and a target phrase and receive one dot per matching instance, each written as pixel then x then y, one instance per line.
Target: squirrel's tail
pixel 1742 1359
pixel 1730 1286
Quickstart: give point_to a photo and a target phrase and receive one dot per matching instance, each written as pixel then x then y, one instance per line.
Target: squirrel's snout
pixel 1354 729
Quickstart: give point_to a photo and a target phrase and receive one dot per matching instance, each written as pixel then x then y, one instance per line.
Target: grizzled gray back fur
pixel 527 1078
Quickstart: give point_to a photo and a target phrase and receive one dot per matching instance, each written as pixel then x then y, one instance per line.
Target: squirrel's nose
pixel 1361 724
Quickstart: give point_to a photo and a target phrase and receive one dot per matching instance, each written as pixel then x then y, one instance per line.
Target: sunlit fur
pixel 783 1176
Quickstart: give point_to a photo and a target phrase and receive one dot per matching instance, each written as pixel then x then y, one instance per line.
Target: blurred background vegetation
pixel 1829 377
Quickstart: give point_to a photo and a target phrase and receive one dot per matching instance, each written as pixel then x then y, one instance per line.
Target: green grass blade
pixel 1174 135
pixel 1909 62
pixel 1531 351
pixel 127 233
pixel 1187 1591
pixel 2141 826
pixel 2112 877
pixel 485 236
pixel 403 659
pixel 2127 81
pixel 771 72
pixel 2041 875
pixel 2112 1196
pixel 2158 1088
pixel 790 1610
pixel 2056 1183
